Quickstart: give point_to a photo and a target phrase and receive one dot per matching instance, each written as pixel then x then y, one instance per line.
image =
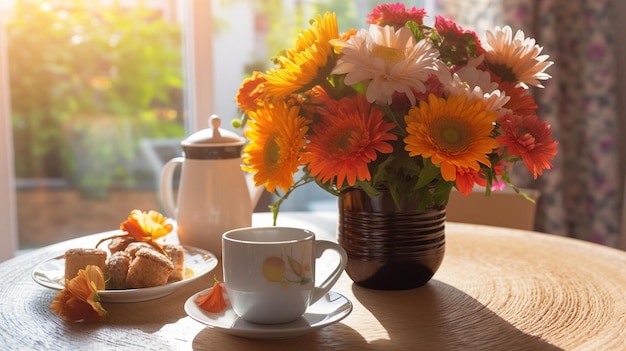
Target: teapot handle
pixel 166 186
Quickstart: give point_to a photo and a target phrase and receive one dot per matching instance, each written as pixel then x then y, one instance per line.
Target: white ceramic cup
pixel 269 272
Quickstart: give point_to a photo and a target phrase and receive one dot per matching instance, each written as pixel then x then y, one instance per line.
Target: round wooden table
pixel 497 289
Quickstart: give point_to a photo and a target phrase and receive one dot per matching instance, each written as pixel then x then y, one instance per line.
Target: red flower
pixel 400 102
pixel 520 102
pixel 457 45
pixel 466 178
pixel 530 139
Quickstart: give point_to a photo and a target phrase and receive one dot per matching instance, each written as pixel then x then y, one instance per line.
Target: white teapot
pixel 214 194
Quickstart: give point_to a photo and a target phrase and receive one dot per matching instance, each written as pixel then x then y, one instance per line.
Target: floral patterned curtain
pixel 581 196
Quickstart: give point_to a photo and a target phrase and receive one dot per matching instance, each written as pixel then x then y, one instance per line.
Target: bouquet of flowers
pixel 416 109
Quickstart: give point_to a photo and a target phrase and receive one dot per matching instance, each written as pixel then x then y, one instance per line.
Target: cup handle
pixel 320 247
pixel 167 178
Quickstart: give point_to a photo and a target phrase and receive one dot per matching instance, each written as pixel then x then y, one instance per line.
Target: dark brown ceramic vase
pixel 389 247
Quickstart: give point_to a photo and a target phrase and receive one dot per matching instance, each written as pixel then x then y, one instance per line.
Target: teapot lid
pixel 214 136
pixel 213 143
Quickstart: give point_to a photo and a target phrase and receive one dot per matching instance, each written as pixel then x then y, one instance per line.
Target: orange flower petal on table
pixel 79 300
pixel 213 301
pixel 146 226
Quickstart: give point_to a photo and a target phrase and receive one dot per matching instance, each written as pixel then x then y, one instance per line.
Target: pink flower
pixel 395 15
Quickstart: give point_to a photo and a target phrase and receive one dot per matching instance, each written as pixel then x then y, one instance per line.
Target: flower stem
pixel 389 112
pixel 275 207
pixel 330 89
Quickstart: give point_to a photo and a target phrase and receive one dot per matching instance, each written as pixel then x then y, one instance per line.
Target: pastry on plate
pixel 148 268
pixel 119 243
pixel 117 266
pixel 133 247
pixel 76 259
pixel 177 255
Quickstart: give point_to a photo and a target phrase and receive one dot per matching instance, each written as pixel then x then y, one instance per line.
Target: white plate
pixel 328 310
pixel 51 274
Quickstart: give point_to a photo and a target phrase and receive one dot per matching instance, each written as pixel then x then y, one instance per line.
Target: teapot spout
pixel 255 191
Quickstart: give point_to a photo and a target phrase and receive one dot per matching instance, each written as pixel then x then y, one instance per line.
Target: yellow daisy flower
pixel 276 137
pixel 515 59
pixel 305 64
pixel 454 133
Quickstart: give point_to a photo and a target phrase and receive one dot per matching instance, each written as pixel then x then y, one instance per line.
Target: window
pixel 89 82
pixel 96 87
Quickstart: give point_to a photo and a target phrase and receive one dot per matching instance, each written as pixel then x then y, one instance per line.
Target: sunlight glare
pixel 46 6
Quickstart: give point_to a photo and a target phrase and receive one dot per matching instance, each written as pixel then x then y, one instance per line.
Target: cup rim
pixel 303 235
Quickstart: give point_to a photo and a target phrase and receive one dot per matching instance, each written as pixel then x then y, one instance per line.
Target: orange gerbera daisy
pixel 454 132
pixel 350 133
pixel 276 137
pixel 146 226
pixel 250 93
pixel 307 63
pixel 530 139
pixel 79 300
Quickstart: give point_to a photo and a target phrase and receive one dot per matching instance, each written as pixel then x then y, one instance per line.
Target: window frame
pixel 196 24
pixel 8 206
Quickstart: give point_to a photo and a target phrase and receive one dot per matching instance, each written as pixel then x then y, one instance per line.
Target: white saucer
pixel 51 274
pixel 328 310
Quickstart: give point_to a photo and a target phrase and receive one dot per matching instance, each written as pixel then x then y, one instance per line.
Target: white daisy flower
pixel 515 59
pixel 476 83
pixel 387 60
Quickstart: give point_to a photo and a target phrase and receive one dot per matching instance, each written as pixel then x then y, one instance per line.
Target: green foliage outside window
pixel 93 80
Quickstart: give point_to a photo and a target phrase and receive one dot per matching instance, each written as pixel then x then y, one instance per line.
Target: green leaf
pixel 424 199
pixel 416 30
pixel 429 173
pixel 368 188
pixel 441 194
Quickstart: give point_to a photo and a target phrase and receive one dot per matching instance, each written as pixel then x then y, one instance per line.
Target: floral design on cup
pixel 293 272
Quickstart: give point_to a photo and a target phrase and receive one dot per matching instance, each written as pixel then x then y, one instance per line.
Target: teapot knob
pixel 212 137
pixel 215 122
